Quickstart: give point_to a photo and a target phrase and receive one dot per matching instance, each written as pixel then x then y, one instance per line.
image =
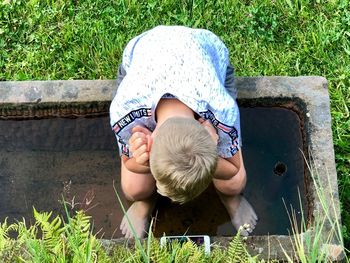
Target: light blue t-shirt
pixel 175 61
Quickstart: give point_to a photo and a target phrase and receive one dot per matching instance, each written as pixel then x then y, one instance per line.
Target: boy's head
pixel 183 159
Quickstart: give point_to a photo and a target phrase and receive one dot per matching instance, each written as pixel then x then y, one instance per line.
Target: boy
pixel 177 125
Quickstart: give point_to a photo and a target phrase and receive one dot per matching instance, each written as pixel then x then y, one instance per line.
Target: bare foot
pixel 138 214
pixel 241 213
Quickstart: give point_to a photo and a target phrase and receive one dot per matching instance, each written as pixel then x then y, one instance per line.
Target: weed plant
pixel 48 40
pixel 325 242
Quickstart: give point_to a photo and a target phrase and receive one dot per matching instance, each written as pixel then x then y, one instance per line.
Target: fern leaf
pixel 51 231
pixel 158 253
pixel 236 250
pixel 122 254
pixel 4 238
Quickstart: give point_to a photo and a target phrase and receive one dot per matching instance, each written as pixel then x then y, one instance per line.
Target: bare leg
pixel 139 188
pixel 238 208
pixel 138 214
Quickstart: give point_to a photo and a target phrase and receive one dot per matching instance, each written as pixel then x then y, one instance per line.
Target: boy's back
pixel 178 49
pixel 188 64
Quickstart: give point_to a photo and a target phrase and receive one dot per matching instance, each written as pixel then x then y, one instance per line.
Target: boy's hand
pixel 210 128
pixel 140 144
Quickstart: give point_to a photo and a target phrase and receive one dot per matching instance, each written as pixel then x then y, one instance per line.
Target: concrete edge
pixel 315 114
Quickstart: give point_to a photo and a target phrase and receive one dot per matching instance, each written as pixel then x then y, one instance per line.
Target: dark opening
pixel 280 169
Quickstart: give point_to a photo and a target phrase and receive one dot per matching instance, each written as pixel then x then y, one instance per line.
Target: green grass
pixel 84 40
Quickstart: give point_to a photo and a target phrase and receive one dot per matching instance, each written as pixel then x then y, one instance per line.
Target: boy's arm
pixel 227 167
pixel 132 165
pixel 140 146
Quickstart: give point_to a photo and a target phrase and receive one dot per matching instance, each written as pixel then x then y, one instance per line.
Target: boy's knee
pixel 237 186
pixel 234 186
pixel 137 192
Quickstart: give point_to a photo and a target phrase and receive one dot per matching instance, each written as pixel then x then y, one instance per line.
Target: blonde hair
pixel 183 159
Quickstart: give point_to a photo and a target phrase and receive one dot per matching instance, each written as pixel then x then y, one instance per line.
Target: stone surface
pixel 308 96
